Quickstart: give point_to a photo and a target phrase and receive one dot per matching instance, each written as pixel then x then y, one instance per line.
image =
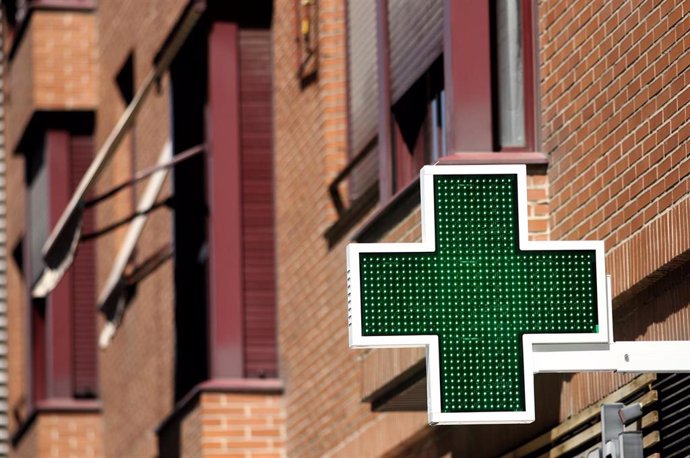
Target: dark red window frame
pixel 63 325
pixel 413 125
pixel 470 93
pixel 227 105
pixel 529 86
pixel 242 323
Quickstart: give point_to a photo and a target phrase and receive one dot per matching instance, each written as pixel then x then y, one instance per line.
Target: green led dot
pixel 479 293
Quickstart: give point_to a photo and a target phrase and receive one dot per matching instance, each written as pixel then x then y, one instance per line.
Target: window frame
pixel 469 57
pixel 530 83
pixel 227 331
pixel 55 356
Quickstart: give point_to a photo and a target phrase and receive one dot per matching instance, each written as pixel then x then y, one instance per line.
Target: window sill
pixel 527 158
pixel 49 406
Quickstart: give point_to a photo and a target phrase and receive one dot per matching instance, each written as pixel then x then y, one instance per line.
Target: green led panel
pixel 478 293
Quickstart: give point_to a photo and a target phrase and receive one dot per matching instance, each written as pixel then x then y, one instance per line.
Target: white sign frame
pixel 568 352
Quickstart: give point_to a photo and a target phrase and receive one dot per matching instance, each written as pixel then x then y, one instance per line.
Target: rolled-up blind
pixel 362 69
pixel 415 32
pixel 363 92
pixel 84 283
pixel 258 227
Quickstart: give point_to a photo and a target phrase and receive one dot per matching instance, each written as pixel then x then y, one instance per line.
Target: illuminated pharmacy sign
pixel 491 307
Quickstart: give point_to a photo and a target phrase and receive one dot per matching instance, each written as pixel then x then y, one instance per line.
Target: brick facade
pixel 325 380
pixel 62 435
pixel 613 116
pixel 614 123
pixel 54 68
pixel 136 368
pixel 228 424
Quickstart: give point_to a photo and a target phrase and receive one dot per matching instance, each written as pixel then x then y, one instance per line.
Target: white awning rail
pixel 111 294
pixel 58 251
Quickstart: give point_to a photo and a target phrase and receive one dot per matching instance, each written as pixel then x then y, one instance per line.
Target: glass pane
pixel 511 101
pixel 438 126
pixel 38 212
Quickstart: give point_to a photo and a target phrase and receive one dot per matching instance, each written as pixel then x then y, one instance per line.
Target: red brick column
pixel 62 428
pixel 230 418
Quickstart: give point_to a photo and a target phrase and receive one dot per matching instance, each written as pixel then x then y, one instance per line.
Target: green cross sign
pixel 477 294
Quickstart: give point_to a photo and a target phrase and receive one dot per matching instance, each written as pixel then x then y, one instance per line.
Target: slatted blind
pixel 363 72
pixel 674 414
pixel 415 32
pixel 363 93
pixel 257 203
pixel 84 283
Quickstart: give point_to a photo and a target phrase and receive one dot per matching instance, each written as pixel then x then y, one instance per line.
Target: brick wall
pixel 19 90
pixel 64 60
pixel 325 381
pixel 16 293
pixel 321 374
pixel 615 112
pixel 58 435
pixel 54 67
pixel 333 89
pixel 4 259
pixel 538 206
pixel 136 370
pixel 249 425
pixel 236 425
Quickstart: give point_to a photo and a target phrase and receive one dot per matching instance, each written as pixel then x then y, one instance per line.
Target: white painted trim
pixel 136 227
pixel 148 199
pixel 637 356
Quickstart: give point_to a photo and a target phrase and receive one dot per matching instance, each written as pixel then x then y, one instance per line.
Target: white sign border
pixel 530 341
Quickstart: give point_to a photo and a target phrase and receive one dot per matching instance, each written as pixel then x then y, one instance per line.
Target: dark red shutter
pixel 84 281
pixel 257 203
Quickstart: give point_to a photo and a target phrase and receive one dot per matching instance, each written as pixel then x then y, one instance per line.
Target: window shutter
pixel 415 30
pixel 363 86
pixel 362 68
pixel 257 203
pixel 84 281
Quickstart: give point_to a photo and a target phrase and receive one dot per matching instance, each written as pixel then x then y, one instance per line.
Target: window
pixel 513 72
pixel 419 114
pixel 126 87
pixel 63 325
pixel 491 90
pixel 17 15
pixel 225 266
pixel 307 40
pixel 418 125
pixel 189 201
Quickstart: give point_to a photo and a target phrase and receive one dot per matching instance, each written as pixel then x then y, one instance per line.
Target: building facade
pixel 183 176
